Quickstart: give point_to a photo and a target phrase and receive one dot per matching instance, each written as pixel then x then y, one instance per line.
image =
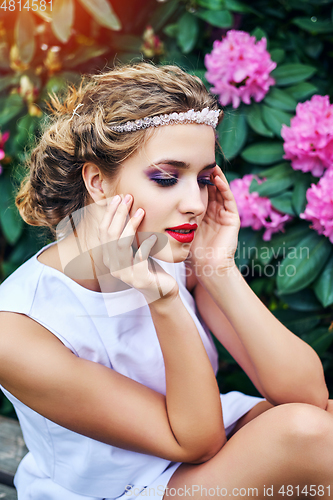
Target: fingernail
pixel 126 199
pixel 115 199
pixel 153 237
pixel 138 212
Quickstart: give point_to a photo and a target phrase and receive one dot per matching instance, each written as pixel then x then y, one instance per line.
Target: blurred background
pixel 269 63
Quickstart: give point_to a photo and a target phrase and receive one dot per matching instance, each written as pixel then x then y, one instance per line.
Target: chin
pixel 174 255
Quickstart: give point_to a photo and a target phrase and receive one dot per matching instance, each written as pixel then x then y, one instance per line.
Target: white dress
pixel 116 330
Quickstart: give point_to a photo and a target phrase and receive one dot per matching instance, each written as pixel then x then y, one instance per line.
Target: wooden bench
pixel 12 450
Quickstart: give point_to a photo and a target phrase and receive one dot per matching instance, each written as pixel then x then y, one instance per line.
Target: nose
pixel 193 199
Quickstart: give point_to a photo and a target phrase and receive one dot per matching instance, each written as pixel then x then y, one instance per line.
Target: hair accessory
pixel 206 116
pixel 74 112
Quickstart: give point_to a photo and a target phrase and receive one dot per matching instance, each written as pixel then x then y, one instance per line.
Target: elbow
pixel 204 455
pixel 320 397
pixel 309 390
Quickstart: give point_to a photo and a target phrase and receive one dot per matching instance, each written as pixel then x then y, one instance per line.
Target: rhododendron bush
pixel 257 211
pixel 239 67
pixel 308 142
pixel 269 65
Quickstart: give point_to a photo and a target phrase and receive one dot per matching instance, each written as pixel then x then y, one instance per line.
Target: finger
pixel 221 183
pixel 118 221
pixel 226 193
pixel 131 227
pixel 124 244
pixel 108 217
pixel 212 191
pixel 145 249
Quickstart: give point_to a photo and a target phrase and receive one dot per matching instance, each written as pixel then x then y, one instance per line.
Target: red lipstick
pixel 183 233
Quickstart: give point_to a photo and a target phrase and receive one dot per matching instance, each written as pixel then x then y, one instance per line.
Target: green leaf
pixel 221 19
pixel 13 106
pixel 275 118
pixel 103 13
pixel 323 286
pixel 259 33
pixel 11 222
pixel 292 73
pixel 283 243
pixel 55 84
pixel 7 81
pixel 211 4
pixel 263 153
pixel 247 243
pixel 314 48
pixel 171 30
pixel 188 31
pixel 305 23
pixel 255 120
pixel 302 90
pixel 272 186
pixel 25 36
pixel 299 194
pixel 303 264
pixel 232 133
pixel 26 128
pixel 304 300
pixel 162 14
pixel 278 171
pixel 319 339
pixel 280 99
pixel 236 6
pixel 278 55
pixel 283 203
pixel 298 322
pixel 62 19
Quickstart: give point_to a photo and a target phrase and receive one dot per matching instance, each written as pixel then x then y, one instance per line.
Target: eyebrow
pixel 180 164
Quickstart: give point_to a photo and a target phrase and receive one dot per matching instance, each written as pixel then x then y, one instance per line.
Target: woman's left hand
pixel 216 239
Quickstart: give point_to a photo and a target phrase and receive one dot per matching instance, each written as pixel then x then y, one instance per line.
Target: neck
pixel 81 260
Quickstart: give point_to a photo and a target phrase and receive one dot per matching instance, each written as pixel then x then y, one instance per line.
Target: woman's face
pixel 168 178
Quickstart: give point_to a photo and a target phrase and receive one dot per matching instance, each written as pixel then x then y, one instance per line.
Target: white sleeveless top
pixel 117 331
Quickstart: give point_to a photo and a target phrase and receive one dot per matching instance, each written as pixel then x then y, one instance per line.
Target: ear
pixel 95 182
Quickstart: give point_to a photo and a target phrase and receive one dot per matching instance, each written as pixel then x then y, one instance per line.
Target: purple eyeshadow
pixel 159 175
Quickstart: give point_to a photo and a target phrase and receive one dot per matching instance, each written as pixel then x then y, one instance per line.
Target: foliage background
pixel 43 50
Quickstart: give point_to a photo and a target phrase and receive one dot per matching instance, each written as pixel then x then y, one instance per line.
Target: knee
pixel 303 424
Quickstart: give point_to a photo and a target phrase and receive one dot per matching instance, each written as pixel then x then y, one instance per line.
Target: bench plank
pixel 7 493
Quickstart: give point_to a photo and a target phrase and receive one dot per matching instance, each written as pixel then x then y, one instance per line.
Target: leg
pixel 290 444
pixel 257 410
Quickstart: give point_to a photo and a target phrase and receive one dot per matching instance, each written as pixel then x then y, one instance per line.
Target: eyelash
pixel 172 181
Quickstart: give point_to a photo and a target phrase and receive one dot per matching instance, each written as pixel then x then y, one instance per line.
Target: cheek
pixel 204 198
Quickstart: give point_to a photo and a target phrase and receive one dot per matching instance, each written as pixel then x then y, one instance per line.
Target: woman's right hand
pixel 138 271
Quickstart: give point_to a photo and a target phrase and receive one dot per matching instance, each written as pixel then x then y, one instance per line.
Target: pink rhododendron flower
pixel 239 68
pixel 3 138
pixel 308 142
pixel 319 209
pixel 256 211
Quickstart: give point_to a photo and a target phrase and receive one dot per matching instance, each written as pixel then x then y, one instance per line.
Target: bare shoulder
pixel 21 338
pixel 50 257
pixel 14 325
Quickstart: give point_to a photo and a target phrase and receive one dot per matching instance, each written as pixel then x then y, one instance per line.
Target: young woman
pixel 106 355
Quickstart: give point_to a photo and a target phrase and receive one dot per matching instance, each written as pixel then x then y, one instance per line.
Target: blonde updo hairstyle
pixel 54 187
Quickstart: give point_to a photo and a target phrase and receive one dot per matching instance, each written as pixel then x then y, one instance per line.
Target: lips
pixel 183 233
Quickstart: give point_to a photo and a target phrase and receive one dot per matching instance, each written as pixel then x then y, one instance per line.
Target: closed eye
pixel 168 181
pixel 205 181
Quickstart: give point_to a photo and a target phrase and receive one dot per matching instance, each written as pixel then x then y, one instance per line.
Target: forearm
pixel 287 368
pixel 192 394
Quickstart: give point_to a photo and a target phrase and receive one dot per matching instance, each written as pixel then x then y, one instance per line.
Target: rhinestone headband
pixel 206 116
